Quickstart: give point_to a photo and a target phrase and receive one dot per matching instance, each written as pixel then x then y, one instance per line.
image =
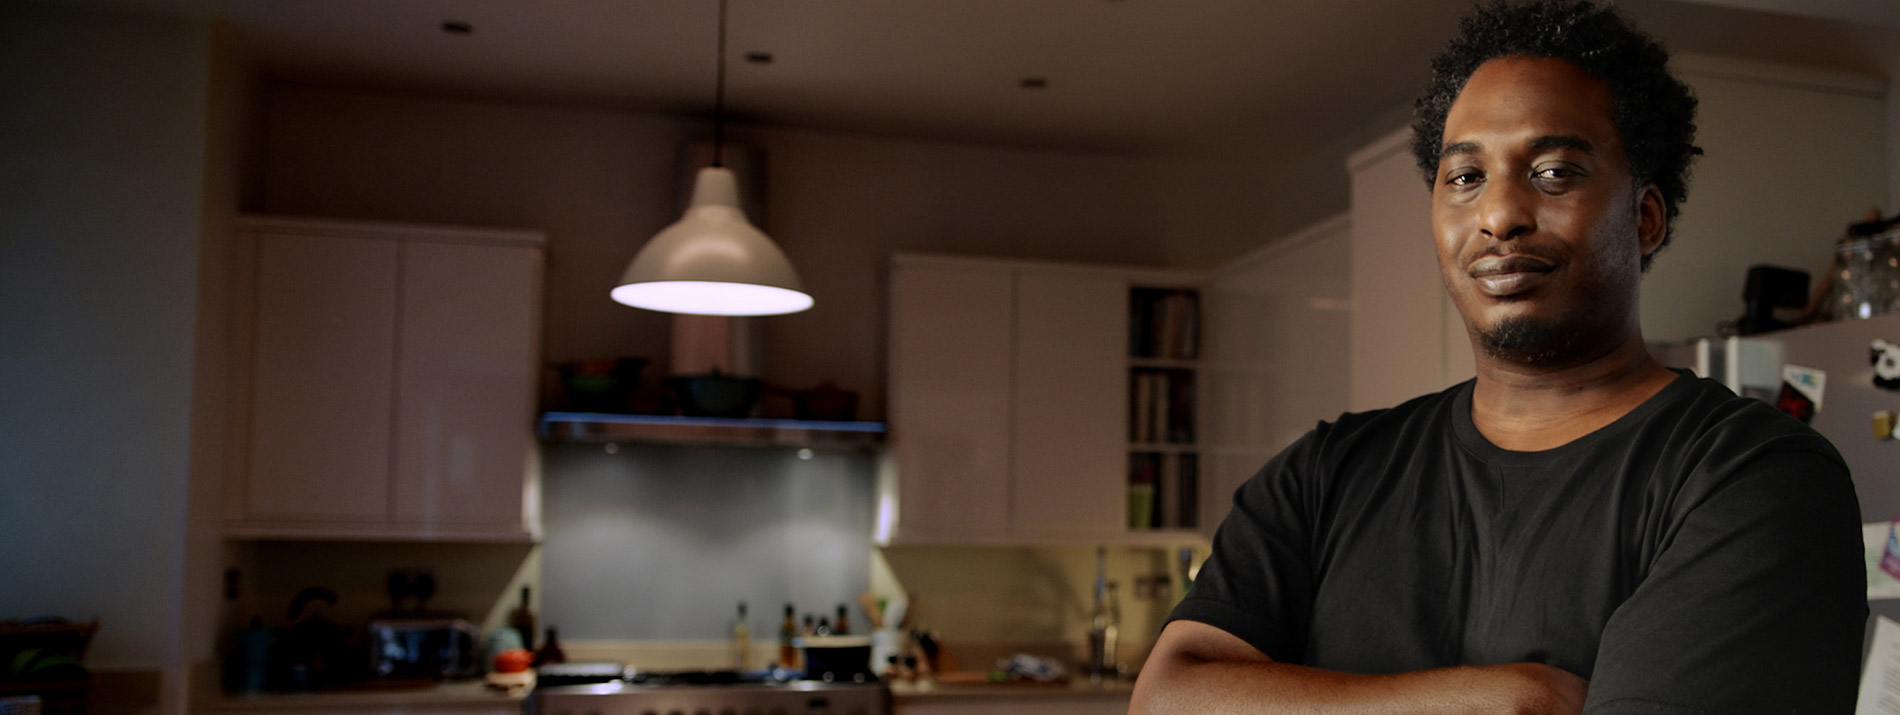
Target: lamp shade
pixel 712 261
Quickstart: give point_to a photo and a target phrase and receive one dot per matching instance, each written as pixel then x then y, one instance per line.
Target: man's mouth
pixel 1502 276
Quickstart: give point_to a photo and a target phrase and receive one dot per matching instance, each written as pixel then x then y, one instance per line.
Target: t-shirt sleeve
pixel 1756 600
pixel 1257 583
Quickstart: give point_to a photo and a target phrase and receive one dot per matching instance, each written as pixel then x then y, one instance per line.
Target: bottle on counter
pixel 842 626
pixel 787 630
pixel 741 642
pixel 522 620
pixel 811 626
pixel 550 651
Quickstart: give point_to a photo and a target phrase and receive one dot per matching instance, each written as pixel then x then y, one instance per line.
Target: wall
pixel 989 602
pixel 602 182
pixel 100 219
pixel 1792 156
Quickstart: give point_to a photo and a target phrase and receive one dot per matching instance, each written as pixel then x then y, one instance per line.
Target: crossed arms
pixel 1197 668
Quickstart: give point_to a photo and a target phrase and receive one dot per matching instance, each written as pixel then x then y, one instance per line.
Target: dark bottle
pixel 522 620
pixel 842 626
pixel 550 651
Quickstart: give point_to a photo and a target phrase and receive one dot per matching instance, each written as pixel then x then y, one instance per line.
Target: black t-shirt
pixel 1700 554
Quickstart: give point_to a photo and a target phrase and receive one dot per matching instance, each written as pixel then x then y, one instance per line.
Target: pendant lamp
pixel 713 261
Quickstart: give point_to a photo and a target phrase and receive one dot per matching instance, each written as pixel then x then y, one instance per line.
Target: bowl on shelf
pixel 715 395
pixel 827 401
pixel 599 385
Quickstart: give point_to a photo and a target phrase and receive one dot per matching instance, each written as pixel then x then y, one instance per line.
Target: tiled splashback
pixel 651 542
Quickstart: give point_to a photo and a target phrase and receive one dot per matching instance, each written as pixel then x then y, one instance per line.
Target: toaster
pixel 436 648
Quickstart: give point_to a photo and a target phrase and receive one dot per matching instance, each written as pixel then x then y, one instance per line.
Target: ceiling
pixel 1121 75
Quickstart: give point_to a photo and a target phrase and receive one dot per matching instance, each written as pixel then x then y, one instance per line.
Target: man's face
pixel 1540 228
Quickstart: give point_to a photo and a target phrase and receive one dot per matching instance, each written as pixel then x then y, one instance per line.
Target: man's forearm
pixel 1188 685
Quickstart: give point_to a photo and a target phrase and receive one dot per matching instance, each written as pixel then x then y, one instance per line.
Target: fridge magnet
pixel 1801 391
pixel 1890 561
pixel 1883 424
pixel 1886 359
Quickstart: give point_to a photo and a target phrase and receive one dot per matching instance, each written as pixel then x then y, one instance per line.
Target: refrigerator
pixel 1843 354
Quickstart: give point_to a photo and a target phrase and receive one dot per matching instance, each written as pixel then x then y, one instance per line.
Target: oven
pixel 700 693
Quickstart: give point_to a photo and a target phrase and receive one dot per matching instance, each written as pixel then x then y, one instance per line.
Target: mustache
pixel 1499 257
pixel 1517 249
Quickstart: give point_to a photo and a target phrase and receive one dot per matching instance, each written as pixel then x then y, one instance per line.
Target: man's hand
pixel 1197 668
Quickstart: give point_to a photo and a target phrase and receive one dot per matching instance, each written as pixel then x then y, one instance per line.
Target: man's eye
pixel 1462 178
pixel 1557 173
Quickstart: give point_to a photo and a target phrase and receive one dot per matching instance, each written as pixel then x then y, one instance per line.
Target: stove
pixel 594 689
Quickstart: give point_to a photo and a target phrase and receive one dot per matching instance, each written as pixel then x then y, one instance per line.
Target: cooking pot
pixel 836 658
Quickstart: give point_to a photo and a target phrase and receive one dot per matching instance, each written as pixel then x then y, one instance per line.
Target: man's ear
pixel 1652 218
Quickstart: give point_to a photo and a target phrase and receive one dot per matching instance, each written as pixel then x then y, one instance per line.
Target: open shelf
pixel 597 427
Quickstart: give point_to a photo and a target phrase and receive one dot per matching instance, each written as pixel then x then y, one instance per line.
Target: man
pixel 1577 529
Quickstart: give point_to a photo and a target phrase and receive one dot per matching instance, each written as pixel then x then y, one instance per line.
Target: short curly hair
pixel 1655 112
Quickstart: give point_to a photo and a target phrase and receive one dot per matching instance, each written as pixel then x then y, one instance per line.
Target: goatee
pixel 1526 341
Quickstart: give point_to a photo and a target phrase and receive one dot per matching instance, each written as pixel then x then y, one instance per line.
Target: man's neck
pixel 1532 408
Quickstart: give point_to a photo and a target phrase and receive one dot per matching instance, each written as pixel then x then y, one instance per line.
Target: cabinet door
pixel 1407 338
pixel 465 379
pixel 950 404
pixel 320 395
pixel 1069 460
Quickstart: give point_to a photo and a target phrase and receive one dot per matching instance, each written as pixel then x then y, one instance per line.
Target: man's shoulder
pixel 1704 411
pixel 1407 421
pixel 1433 407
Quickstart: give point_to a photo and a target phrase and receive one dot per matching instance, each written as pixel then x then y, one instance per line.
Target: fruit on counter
pixel 40 665
pixel 513 660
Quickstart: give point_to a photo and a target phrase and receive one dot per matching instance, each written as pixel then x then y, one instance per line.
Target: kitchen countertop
pixel 1079 689
pixel 471 694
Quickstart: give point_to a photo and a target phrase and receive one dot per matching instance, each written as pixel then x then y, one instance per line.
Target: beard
pixel 1527 341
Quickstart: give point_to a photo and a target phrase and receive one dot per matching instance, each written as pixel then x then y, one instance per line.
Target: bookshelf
pixel 1164 324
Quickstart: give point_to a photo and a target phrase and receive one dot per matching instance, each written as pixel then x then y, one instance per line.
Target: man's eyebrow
pixel 1562 141
pixel 1459 148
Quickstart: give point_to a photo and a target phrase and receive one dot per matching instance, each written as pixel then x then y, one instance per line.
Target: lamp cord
pixel 719 94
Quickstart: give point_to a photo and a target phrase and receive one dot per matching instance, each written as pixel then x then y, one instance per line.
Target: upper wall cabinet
pixel 1011 412
pixel 1406 336
pixel 386 377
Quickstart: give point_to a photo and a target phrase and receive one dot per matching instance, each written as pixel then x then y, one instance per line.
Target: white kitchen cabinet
pixel 1407 339
pixel 951 370
pixel 1067 453
pixel 387 378
pixel 1009 400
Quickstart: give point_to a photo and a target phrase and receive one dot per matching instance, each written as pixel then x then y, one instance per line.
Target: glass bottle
pixel 787 630
pixel 741 642
pixel 522 620
pixel 550 651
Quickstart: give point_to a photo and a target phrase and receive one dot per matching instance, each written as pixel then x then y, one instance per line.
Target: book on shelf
pixel 1163 491
pixel 1161 406
pixel 1164 323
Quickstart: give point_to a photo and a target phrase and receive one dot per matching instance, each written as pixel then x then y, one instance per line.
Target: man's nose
pixel 1504 210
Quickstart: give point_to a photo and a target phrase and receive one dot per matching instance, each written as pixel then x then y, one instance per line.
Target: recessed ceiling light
pixel 457 27
pixel 1035 83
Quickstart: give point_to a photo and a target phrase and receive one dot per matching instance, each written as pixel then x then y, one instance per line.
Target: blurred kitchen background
pixel 1079 268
